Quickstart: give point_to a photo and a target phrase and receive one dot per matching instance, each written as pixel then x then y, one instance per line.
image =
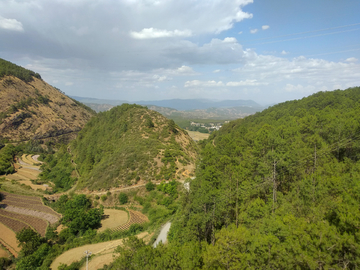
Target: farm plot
pixel 13 224
pixel 29 206
pixel 113 219
pixel 135 218
pixel 36 223
pixel 29 203
pixel 100 251
pixel 8 240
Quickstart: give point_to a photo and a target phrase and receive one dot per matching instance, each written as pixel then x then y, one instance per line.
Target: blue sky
pixel 267 51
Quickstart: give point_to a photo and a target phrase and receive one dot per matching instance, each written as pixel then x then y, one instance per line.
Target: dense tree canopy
pixel 278 190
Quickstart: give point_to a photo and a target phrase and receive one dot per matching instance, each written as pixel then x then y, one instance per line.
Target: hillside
pixel 128 144
pixel 276 190
pixel 32 109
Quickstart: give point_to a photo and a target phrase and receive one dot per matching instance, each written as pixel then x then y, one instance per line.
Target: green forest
pixel 125 144
pixel 277 190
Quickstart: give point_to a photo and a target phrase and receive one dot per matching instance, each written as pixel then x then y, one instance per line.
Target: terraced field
pixel 18 212
pixel 135 218
pixel 27 170
pixel 35 223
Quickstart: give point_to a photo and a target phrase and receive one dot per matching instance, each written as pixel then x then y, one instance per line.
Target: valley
pixel 276 189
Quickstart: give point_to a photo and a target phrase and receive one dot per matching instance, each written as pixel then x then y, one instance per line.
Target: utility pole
pixel 88 253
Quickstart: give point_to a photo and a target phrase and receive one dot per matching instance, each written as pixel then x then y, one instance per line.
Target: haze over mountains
pixel 186 108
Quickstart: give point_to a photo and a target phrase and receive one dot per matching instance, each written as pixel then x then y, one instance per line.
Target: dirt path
pixel 100 251
pixel 8 239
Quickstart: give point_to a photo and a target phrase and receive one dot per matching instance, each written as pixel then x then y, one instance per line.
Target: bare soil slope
pixel 36 110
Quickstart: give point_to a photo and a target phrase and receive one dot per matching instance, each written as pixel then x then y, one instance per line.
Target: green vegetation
pixel 129 143
pixel 123 198
pixel 150 186
pixel 58 169
pixel 9 69
pixel 78 216
pixel 278 190
pixel 7 155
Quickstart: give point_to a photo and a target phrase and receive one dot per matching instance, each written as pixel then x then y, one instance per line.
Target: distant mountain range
pixel 185 108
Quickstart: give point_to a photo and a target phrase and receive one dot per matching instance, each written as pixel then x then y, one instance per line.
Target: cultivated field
pixel 8 240
pixel 197 136
pixel 18 212
pixel 135 218
pixel 35 223
pixel 3 253
pixel 26 171
pixel 113 219
pixel 101 252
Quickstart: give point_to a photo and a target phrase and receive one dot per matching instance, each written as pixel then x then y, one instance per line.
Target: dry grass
pixel 114 218
pixel 3 253
pixel 8 240
pixel 197 136
pixel 14 187
pixel 100 251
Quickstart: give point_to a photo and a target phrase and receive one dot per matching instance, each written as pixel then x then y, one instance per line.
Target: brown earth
pixel 8 240
pixel 198 136
pixel 114 218
pixel 3 253
pixel 101 250
pixel 47 113
pixel 26 171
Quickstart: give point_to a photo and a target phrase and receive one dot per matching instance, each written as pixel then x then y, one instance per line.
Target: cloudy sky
pixel 267 51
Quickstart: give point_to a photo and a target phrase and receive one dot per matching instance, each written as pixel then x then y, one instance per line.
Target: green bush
pixel 150 186
pixel 123 198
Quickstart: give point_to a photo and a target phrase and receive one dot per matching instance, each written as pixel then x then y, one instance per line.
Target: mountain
pixel 112 102
pixel 177 104
pixel 199 104
pixel 131 143
pixel 32 109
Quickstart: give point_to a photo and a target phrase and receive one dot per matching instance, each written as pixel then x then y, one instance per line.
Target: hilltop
pixel 32 109
pixel 276 190
pixel 131 143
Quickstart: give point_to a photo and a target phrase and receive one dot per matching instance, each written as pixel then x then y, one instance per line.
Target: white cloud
pixel 265 27
pixel 240 32
pixel 217 51
pixel 197 83
pixel 148 33
pixel 245 83
pixel 11 24
pixel 216 71
pixel 253 31
pixel 69 83
pixel 284 52
pixel 351 60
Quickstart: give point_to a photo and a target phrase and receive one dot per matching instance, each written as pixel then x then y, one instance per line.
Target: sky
pixel 266 51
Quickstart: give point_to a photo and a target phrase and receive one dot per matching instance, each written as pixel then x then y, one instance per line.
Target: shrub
pixel 150 186
pixel 123 198
pixel 103 197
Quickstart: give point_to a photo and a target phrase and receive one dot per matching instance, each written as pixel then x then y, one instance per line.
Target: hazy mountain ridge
pixel 186 108
pixel 177 104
